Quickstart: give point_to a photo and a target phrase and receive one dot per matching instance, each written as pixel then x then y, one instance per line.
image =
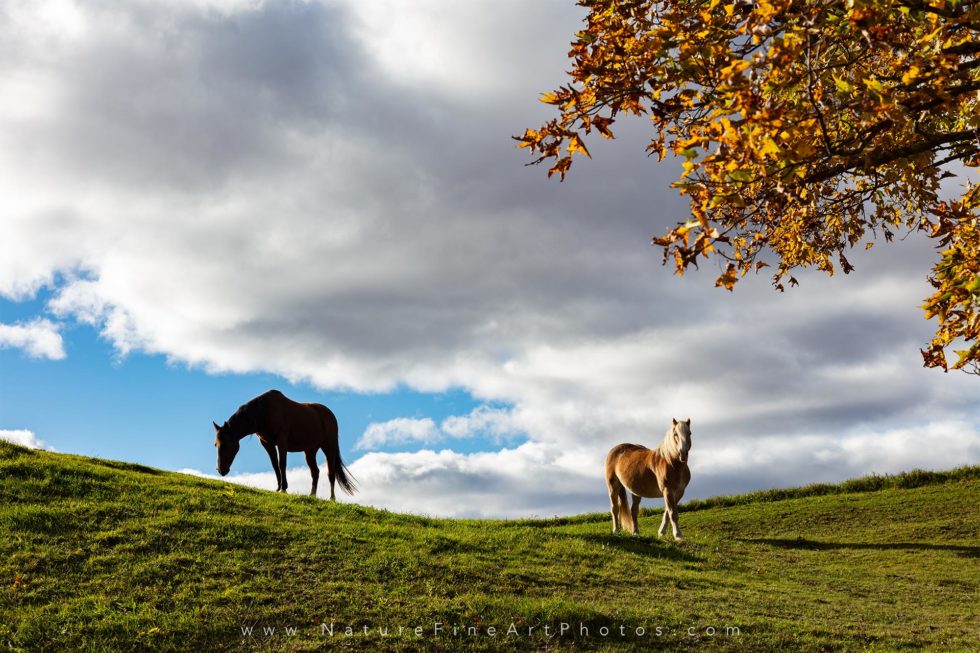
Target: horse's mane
pixel 668 448
pixel 251 415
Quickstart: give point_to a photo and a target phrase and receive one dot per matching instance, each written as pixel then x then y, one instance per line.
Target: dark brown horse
pixel 284 425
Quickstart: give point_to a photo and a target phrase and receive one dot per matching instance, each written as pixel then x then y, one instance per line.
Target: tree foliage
pixel 806 128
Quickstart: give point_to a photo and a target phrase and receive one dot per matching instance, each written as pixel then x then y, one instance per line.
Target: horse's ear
pixel 674 421
pixel 688 421
pixel 216 427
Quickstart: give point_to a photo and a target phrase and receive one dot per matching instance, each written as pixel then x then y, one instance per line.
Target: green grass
pixel 98 555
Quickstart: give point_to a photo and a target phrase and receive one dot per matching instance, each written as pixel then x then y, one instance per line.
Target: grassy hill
pixel 98 555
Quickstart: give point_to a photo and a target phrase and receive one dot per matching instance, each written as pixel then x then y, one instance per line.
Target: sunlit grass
pixel 96 556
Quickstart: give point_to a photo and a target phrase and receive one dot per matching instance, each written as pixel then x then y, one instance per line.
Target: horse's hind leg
pixel 314 470
pixel 635 513
pixel 331 474
pixel 615 491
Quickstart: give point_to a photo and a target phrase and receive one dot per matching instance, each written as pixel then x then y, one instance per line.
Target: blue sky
pixel 204 199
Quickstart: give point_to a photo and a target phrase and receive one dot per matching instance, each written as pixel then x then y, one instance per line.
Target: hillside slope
pixel 98 555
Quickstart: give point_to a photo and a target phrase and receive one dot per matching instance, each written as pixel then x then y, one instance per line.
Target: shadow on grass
pixel 128 467
pixel 9 450
pixel 815 545
pixel 653 547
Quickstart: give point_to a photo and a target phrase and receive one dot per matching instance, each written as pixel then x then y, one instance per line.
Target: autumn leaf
pixel 575 144
pixel 728 278
pixel 602 125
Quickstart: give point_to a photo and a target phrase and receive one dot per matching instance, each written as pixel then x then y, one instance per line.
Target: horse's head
pixel 681 433
pixel 227 446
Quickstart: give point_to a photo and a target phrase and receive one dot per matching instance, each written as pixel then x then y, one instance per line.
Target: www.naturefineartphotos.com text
pixel 438 629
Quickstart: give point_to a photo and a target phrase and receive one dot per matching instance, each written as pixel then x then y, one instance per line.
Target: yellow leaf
pixel 734 68
pixel 575 144
pixel 769 148
pixel 875 85
pixel 728 279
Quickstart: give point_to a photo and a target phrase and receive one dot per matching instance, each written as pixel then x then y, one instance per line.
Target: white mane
pixel 669 448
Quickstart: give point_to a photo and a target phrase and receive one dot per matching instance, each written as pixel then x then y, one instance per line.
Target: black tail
pixel 344 477
pixel 332 448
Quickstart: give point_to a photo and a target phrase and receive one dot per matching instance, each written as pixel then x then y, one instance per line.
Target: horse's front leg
pixel 670 501
pixel 663 522
pixel 282 469
pixel 274 457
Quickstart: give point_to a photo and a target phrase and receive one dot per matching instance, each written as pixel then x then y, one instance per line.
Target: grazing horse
pixel 661 472
pixel 284 425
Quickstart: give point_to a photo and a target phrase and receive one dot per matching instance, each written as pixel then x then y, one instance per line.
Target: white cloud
pixel 38 338
pixel 495 424
pixel 413 46
pixel 24 438
pixel 934 445
pixel 513 482
pixel 492 423
pixel 398 430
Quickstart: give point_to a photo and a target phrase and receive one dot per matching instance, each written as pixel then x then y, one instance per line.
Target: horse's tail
pixel 332 449
pixel 344 477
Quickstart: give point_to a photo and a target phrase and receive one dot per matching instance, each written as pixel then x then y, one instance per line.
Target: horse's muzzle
pixel 223 472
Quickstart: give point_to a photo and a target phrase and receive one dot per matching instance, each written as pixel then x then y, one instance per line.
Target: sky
pixel 204 199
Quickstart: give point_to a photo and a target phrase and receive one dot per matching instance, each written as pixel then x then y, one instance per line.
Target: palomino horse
pixel 284 425
pixel 660 472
